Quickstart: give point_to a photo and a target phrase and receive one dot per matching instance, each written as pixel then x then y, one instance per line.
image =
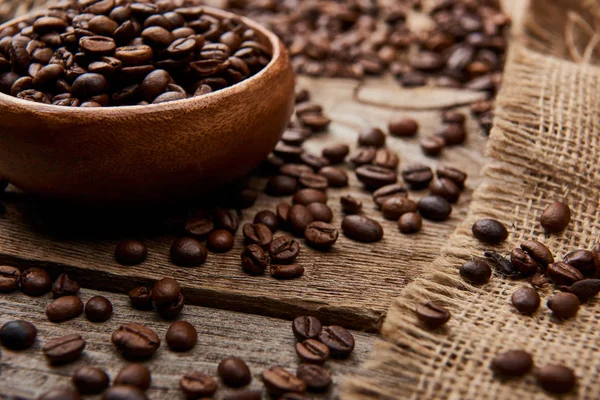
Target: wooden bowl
pixel 148 153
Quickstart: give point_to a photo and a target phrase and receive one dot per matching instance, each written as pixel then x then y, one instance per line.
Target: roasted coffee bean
pixel 538 251
pixel 97 45
pixel 432 145
pixel 351 205
pixel 136 375
pixel 196 385
pixel 306 327
pixel 453 134
pixel 257 234
pixel 234 372
pixel 316 378
pixel 268 218
pixel 539 280
pixel 64 286
pixel 281 185
pixel 453 174
pixel 295 137
pixel 312 351
pixel 321 235
pixel 64 308
pixel 375 177
pixel 18 335
pixel 289 271
pixel 90 380
pixel 381 195
pixel 432 315
pixel 363 156
pixel 563 274
pixel 167 96
pixel 453 117
pixel 526 300
pixel 284 250
pixel 181 336
pixel 9 278
pixel 154 84
pixel 410 223
pixel 434 208
pixel 290 154
pixel 279 381
pixel 221 241
pixel 60 394
pixel 35 282
pixel 336 153
pixel 583 260
pixel 188 252
pixel 476 271
pixel 362 229
pixel 556 379
pixel 512 363
pixel 165 291
pixel 89 85
pixel 395 207
pixel 255 259
pixel 244 395
pixel 141 298
pixel 295 170
pixel 489 231
pixel 64 349
pixel 335 176
pixel 338 339
pixel 386 158
pixel 135 340
pixel 199 226
pixel 314 161
pixel 445 188
pixel 417 176
pixel 98 309
pixel 585 289
pixel 556 217
pixel 523 262
pixel 403 127
pixel 564 305
pixel 124 392
pixel 502 265
pixel 299 218
pixel 307 196
pixel 313 181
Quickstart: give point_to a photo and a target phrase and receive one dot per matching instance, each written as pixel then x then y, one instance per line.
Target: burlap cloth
pixel 545 146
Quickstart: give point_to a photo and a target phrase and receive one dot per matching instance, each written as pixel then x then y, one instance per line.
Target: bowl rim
pixel 276 44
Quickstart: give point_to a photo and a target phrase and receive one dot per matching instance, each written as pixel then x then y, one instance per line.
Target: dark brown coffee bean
pixel 526 300
pixel 60 394
pixel 9 278
pixel 234 372
pixel 320 212
pixel 279 381
pixel 417 176
pixel 395 207
pixel 489 231
pixel 313 181
pixel 321 235
pixel 371 137
pixel 335 176
pixel 410 223
pixel 165 291
pixel 523 262
pixel 432 145
pixel 362 229
pixel 90 380
pixel 171 310
pixel 434 208
pixel 124 392
pixel 299 218
pixel 135 340
pixel 363 156
pixel 188 252
pixel 136 375
pixel 295 137
pixel 130 252
pixel 181 336
pixel 141 298
pixel 564 305
pixel 199 226
pixel 585 289
pixel 381 195
pixel 563 274
pixel 220 241
pixel 351 205
pixel 268 218
pixel 312 351
pixel 453 117
pixel 18 335
pixel 289 271
pixel 446 189
pixel 317 378
pixel 432 315
pixel 386 158
pixel 512 363
pixel 452 174
pixel 35 282
pixel 307 196
pixel 64 286
pixel 168 96
pixel 154 84
pixel 453 134
pixel 254 260
pixel 197 385
pixel 97 45
pixel 98 309
pixel 284 250
pixel 134 55
pixel 314 161
pixel 375 177
pixel 403 127
pixel 476 271
pixel 64 349
pixel 306 327
pixel 89 85
pixel 21 85
pixel 19 56
pixel 47 74
pixel 281 185
pixel 244 395
pixel 583 260
pixel 7 80
pixel 295 170
pixel 64 308
pixel 257 234
pixel 539 280
pixel 34 95
pixel 538 251
pixel 290 154
pixel 556 217
pixel 556 378
pixel 338 339
pixel 336 153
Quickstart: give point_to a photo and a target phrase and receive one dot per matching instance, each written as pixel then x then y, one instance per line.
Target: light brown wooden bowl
pixel 148 153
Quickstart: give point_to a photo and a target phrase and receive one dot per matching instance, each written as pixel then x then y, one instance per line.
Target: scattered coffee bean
pixel 289 271
pixel 512 363
pixel 410 223
pixel 395 207
pixel 307 196
pixel 417 176
pixel 284 250
pixel 254 259
pixel 98 309
pixel 130 252
pixel 556 378
pixel 336 153
pixel 362 229
pixel 526 300
pixel 64 308
pixel 363 156
pixel 523 262
pixel 90 380
pixel 295 170
pixel 299 218
pixel 136 375
pixel 375 177
pixel 583 260
pixel 64 349
pixel 35 282
pixel 171 310
pixel 371 137
pixel 476 271
pixel 321 235
pixel 350 204
pixel 221 241
pixel 434 208
pixel 403 127
pixel 234 372
pixel 563 274
pixel 9 278
pixel 306 327
pixel 227 219
pixel 199 227
pixel 196 385
pixel 432 315
pixel 268 218
pixel 18 335
pixel 283 211
pixel 188 252
pixel 395 190
pixel 181 336
pixel 320 212
pixel 316 378
pixel 432 145
pixel 257 234
pixel 564 305
pixel 585 289
pixel 60 394
pixel 244 395
pixel 314 161
pixel 453 134
pixel 141 298
pixel 538 251
pixel 453 174
pixel 64 286
pixel 135 340
pixel 556 217
pixel 386 158
pixel 489 231
pixel 335 176
pixel 446 189
pixel 339 340
pixel 312 351
pixel 539 281
pixel 313 181
pixel 165 291
pixel 279 381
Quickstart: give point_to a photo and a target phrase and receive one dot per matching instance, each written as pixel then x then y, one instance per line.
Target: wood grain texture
pixel 262 342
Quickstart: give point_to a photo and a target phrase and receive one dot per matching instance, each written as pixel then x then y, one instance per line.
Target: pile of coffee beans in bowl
pixel 99 53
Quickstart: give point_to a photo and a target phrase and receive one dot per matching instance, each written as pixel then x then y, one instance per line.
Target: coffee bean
pixel 314 161
pixel 64 308
pixel 268 218
pixel 526 300
pixel 403 127
pixel 234 372
pixel 306 327
pixel 395 207
pixel 338 339
pixel 135 340
pixel 313 181
pixel 320 212
pixel 295 170
pixel 227 219
pixel 363 156
pixel 312 351
pixel 284 250
pixel 336 153
pixel 539 280
pixel 446 189
pixel 489 231
pixel 221 241
pixel 564 305
pixel 199 227
pixel 453 174
pixel 257 234
pixel 18 335
pixel 299 218
pixel 585 289
pixel 538 251
pixel 452 134
pixel 188 252
pixel 417 176
pixel 434 208
pixel 136 375
pixel 556 217
pixel 64 349
pixel 362 229
pixel 64 286
pixel 254 259
pixel 432 314
pixel 583 260
pixel 290 271
pixel 60 394
pixel 556 378
pixel 395 190
pixel 316 378
pixel 35 282
pixel 523 262
pixel 89 85
pixel 9 278
pixel 197 385
pixel 453 117
pixel 141 298
pixel 130 252
pixel 563 274
pixel 351 205
pixel 335 176
pixel 165 291
pixel 512 363
pixel 279 381
pixel 410 223
pixel 307 196
pixel 321 235
pixel 281 185
pixel 371 137
pixel 386 158
pixel 244 395
pixel 432 145
pixel 98 309
pixel 124 392
pixel 375 177
pixel 181 336
pixel 295 137
pixel 476 271
pixel 90 380
pixel 290 154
